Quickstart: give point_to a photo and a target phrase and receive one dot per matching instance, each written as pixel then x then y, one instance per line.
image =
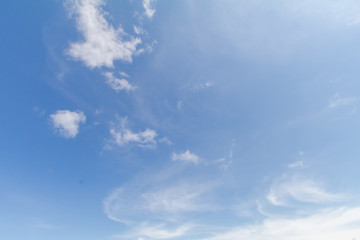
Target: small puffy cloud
pixel 123 135
pixel 102 43
pixel 118 84
pixel 149 10
pixel 187 156
pixel 67 122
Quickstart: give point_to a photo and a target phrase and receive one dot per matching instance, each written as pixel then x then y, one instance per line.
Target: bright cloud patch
pixel 187 156
pixel 67 122
pixel 102 43
pixel 118 84
pixel 149 10
pixel 124 135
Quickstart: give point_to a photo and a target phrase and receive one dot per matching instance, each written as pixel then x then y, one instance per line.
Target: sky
pixel 184 120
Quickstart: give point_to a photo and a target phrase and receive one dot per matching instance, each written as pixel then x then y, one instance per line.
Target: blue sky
pixel 210 120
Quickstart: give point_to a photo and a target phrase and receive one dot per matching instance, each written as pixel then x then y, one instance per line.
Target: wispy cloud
pixel 124 74
pixel 139 30
pixel 139 204
pixel 225 162
pixel 118 84
pixel 159 231
pixel 335 224
pixel 175 199
pixel 102 44
pixel 179 105
pixel 287 190
pixel 297 164
pixel 186 156
pixel 149 10
pixel 165 140
pixel 338 101
pixel 67 122
pixel 162 232
pixel 203 85
pixel 123 135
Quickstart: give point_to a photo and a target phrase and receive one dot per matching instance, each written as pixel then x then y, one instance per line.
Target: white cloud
pixel 301 190
pixel 102 43
pixel 338 101
pixel 124 135
pixel 149 10
pixel 187 156
pixel 118 84
pixel 67 122
pixel 334 224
